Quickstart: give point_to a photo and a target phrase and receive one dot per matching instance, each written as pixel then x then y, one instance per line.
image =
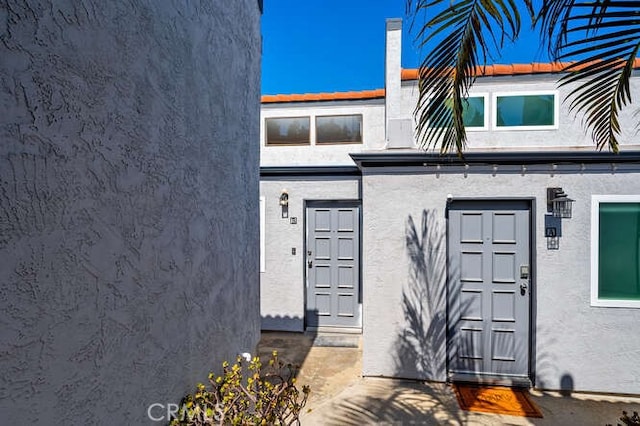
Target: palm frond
pixel 465 33
pixel 604 37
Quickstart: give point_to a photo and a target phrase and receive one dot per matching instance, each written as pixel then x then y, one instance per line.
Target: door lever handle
pixel 310 264
pixel 523 288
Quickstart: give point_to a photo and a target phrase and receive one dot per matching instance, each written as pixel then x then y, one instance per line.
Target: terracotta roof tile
pixel 512 69
pixel 335 96
pixel 412 74
pixel 409 74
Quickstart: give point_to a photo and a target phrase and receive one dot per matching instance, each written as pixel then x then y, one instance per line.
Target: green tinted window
pixel 525 110
pixel 619 251
pixel 472 113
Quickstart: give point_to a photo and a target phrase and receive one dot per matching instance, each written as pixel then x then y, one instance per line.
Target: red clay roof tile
pixel 512 69
pixel 335 96
pixel 412 74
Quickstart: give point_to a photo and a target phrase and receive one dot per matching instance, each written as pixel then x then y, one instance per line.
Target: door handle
pixel 523 288
pixel 310 264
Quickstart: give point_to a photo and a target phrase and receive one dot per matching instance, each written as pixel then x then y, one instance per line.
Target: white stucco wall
pixel 128 203
pixel 570 132
pixel 323 155
pixel 596 347
pixel 282 284
pixel 593 347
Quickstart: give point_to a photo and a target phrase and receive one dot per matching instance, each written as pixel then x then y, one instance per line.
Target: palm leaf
pixel 465 33
pixel 604 37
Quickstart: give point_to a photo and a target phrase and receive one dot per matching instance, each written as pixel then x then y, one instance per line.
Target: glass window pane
pixel 339 129
pixel 525 110
pixel 472 113
pixel 619 251
pixel 288 131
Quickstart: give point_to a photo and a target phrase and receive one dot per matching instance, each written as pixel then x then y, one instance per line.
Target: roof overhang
pixel 309 171
pixel 516 158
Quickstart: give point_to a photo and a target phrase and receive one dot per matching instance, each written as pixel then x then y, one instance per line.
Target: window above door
pixel 475 114
pixel 525 110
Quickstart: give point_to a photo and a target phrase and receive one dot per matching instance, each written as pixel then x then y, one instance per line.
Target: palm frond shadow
pixel 601 39
pixel 408 402
pixel 422 343
pixel 420 347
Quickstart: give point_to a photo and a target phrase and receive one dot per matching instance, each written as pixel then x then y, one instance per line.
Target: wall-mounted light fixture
pixel 284 198
pixel 558 203
pixel 284 203
pixel 552 231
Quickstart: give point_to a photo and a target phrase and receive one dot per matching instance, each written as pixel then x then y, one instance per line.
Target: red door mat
pixel 496 400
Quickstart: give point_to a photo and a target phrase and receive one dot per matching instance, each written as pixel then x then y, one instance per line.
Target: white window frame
pixel 262 234
pixel 595 240
pixel 485 126
pixel 494 110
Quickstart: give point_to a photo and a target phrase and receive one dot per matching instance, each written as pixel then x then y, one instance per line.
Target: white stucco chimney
pixel 398 127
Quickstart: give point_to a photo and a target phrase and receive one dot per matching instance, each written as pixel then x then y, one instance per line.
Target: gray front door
pixel 489 289
pixel 333 269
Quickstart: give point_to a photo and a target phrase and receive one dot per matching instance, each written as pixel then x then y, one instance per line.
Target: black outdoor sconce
pixel 560 206
pixel 284 203
pixel 558 203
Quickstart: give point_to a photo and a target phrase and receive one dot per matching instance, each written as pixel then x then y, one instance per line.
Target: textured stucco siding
pixel 128 203
pixel 596 348
pixel 570 132
pixel 323 155
pixel 282 284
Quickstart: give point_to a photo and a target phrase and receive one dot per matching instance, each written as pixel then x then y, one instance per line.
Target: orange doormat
pixel 496 400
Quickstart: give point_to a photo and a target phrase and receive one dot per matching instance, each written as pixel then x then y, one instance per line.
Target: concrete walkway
pixel 340 396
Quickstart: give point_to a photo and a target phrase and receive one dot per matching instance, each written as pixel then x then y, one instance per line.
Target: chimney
pixel 398 126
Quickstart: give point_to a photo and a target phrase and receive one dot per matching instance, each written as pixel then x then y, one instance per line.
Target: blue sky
pixel 312 46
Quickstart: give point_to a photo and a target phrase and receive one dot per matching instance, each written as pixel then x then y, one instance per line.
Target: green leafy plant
pixel 595 42
pixel 627 420
pixel 266 396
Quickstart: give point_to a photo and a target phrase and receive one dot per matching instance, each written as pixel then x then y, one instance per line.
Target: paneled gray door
pixel 489 289
pixel 333 269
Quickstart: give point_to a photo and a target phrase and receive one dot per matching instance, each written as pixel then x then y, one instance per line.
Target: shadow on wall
pixel 566 385
pixel 421 346
pixel 546 369
pixel 282 323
